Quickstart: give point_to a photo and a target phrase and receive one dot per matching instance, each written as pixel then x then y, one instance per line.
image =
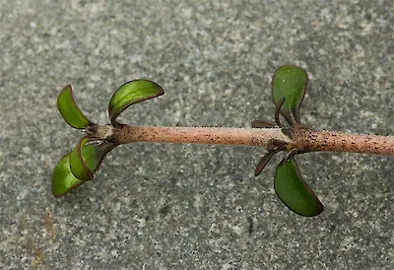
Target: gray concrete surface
pixel 156 206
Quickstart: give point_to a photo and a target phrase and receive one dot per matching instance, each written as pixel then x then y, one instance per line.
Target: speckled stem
pixel 296 137
pixel 310 140
pixel 199 135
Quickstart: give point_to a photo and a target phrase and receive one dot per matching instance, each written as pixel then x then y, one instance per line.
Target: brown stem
pixel 301 138
pixel 311 140
pixel 199 135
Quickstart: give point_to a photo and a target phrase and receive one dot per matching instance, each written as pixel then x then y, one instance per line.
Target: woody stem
pixel 311 140
pixel 199 135
pixel 296 137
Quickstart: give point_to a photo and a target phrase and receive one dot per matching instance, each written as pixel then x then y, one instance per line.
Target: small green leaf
pixel 86 159
pixel 77 164
pixel 62 178
pixel 69 109
pixel 294 192
pixel 130 93
pixel 289 82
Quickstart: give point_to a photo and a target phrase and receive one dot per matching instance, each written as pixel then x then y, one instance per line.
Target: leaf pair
pixel 78 166
pixel 288 90
pixel 82 162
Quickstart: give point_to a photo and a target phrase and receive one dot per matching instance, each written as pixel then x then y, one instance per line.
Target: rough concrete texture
pixel 162 206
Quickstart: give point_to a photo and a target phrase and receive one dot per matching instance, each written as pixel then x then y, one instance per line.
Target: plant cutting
pixel 286 134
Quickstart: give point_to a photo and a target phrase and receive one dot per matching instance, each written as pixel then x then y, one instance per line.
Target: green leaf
pixel 294 192
pixel 130 93
pixel 62 178
pixel 86 159
pixel 69 109
pixel 289 82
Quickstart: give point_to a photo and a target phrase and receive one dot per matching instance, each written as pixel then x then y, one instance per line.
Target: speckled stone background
pixel 157 206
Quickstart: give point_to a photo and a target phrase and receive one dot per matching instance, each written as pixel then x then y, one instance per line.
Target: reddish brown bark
pixel 301 138
pixel 332 141
pixel 199 135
